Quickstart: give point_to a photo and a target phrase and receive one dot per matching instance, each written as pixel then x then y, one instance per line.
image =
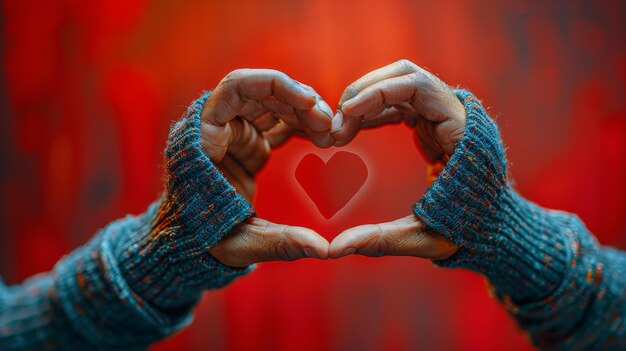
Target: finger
pixel 293 122
pixel 278 135
pixel 390 115
pixel 299 133
pixel 430 149
pixel 317 118
pixel 343 133
pixel 344 128
pixel 242 85
pixel 257 84
pixel 238 177
pixel 248 146
pixel 395 69
pixel 403 237
pixel 431 98
pixel 260 240
pixel 320 139
pixel 271 104
pixel 215 140
pixel 384 93
pixel 374 113
pixel 253 110
pixel 266 122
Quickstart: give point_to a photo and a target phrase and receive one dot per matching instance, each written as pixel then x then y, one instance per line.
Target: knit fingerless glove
pixel 198 208
pixel 524 250
pixel 136 281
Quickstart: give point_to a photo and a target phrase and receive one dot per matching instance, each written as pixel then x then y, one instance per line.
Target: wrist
pixel 154 259
pixel 166 259
pixel 500 234
pixel 471 180
pixel 198 197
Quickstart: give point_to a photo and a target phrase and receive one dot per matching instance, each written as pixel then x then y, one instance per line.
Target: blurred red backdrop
pixel 90 88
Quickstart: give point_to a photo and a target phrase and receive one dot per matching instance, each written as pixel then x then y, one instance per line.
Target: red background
pixel 90 88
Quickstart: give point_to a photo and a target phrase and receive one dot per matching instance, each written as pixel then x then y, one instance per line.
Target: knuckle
pixel 234 75
pixel 417 78
pixel 349 92
pixel 406 64
pixel 281 76
pixel 456 134
pixel 381 242
pixel 229 83
pixel 383 246
pixel 281 250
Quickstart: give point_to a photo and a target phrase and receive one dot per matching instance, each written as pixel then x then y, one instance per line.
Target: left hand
pixel 249 113
pixel 401 91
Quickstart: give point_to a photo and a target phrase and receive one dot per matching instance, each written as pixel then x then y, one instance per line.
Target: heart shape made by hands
pixel 331 185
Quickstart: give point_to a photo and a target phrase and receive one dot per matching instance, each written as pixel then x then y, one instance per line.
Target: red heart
pixel 333 184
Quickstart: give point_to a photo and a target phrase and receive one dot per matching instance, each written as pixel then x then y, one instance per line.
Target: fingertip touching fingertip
pixel 337 122
pixel 324 108
pixel 346 252
pixel 311 253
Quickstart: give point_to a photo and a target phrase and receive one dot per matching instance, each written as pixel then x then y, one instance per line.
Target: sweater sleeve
pixel 548 270
pixel 137 280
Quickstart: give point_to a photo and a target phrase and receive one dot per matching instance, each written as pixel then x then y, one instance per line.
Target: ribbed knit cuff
pixel 167 262
pixel 197 192
pixel 517 245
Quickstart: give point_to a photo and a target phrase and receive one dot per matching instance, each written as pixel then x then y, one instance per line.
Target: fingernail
pixel 346 105
pixel 348 251
pixel 336 122
pixel 323 106
pixel 309 252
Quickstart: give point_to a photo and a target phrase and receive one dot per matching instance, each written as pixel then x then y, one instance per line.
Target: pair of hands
pixel 252 111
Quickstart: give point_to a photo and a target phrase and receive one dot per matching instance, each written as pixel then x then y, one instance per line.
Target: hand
pixel 397 92
pixel 250 112
pixel 403 91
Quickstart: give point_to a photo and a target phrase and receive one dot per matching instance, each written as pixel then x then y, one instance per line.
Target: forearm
pixel 587 311
pixel 137 280
pixel 564 289
pixel 31 317
pixel 544 265
pixel 111 293
pixel 85 302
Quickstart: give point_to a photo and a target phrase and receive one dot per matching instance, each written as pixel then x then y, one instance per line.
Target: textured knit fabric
pixel 562 287
pixel 137 280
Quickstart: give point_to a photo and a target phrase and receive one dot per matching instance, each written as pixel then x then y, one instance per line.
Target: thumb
pixel 258 240
pixel 406 236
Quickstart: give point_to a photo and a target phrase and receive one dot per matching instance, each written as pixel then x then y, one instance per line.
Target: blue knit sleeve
pixel 562 287
pixel 137 280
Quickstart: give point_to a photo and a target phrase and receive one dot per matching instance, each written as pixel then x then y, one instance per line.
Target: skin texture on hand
pixel 253 111
pixel 249 113
pixel 401 91
pixel 406 236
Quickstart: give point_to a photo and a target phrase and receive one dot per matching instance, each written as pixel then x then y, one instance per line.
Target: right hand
pixel 400 91
pixel 403 91
pixel 249 113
